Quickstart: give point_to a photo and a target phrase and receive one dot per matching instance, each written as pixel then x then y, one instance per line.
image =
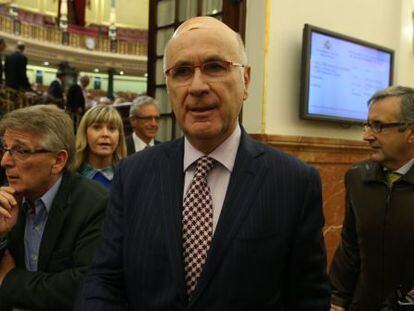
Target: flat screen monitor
pixel 340 74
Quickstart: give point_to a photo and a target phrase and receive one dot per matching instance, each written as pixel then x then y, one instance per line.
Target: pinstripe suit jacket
pixel 267 252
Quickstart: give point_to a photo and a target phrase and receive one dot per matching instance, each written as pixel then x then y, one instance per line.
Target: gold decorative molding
pixel 265 66
pixel 308 148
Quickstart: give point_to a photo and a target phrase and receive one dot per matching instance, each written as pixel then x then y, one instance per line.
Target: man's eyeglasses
pixel 148 118
pixel 22 154
pixel 182 74
pixel 378 126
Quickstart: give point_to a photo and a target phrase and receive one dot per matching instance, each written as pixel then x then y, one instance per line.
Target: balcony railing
pixel 11 99
pixel 135 44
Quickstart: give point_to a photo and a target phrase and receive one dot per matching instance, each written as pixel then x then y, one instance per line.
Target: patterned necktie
pixel 197 223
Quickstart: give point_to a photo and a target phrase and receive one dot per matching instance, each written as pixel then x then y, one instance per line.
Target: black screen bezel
pixel 305 72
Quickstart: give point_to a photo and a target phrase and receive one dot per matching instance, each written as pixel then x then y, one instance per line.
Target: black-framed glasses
pixel 148 118
pixel 212 69
pixel 378 126
pixel 22 154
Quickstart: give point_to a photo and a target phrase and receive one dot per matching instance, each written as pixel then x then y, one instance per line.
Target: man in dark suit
pixel 212 221
pixel 50 218
pixel 75 102
pixel 15 69
pixel 55 90
pixel 144 117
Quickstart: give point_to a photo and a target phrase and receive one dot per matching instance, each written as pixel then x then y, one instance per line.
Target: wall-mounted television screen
pixel 340 74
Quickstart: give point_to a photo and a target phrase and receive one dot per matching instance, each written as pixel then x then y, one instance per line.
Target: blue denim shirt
pixel 35 225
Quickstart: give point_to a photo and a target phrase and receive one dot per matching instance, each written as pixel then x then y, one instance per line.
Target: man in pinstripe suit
pixel 264 250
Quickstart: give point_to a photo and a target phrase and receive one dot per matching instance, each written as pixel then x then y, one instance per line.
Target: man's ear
pixel 61 159
pixel 410 135
pixel 246 80
pixel 131 121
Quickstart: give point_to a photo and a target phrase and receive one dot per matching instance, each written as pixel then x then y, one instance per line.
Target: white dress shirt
pixel 219 177
pixel 140 144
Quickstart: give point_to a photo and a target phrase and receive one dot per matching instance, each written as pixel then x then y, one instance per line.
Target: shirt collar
pixel 49 196
pixel 225 153
pixel 89 171
pixel 140 143
pixel 405 168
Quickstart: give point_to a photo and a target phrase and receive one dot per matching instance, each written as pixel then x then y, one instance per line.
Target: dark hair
pixel 407 100
pixel 20 46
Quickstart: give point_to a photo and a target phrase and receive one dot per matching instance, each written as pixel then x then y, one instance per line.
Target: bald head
pixel 201 22
pixel 211 24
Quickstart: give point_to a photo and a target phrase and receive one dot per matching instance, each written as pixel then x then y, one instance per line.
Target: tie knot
pixel 204 166
pixel 393 177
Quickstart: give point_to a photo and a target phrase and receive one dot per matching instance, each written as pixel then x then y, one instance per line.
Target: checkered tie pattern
pixel 197 223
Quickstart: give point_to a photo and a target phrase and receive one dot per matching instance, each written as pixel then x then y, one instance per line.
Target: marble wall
pixel 332 157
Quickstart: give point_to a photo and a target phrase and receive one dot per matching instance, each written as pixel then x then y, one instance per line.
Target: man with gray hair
pixel 50 218
pixel 144 117
pixel 376 252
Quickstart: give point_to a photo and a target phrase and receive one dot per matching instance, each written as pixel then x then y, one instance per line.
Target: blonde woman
pixel 100 144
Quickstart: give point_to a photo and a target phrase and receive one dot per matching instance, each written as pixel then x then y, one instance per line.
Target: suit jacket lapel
pixel 54 222
pixel 130 145
pixel 172 177
pixel 243 186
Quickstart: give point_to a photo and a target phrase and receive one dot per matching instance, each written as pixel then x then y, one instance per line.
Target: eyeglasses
pixel 182 74
pixel 21 154
pixel 148 118
pixel 378 126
